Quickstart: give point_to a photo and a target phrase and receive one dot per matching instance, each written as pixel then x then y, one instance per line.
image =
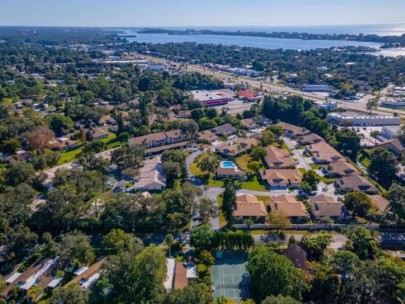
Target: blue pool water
pixel 228 164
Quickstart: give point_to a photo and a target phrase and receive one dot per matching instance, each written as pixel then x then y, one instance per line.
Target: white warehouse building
pixel 361 119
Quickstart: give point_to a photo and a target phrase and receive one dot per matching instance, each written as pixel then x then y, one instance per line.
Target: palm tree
pixel 248 223
pixel 169 241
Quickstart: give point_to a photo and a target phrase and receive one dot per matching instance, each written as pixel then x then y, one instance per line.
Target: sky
pixel 133 13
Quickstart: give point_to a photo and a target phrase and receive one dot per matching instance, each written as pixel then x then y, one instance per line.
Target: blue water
pixel 228 164
pixel 246 41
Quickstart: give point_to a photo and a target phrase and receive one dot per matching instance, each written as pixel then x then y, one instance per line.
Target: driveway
pixel 303 162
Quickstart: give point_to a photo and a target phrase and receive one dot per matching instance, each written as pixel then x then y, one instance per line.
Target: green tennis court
pixel 230 279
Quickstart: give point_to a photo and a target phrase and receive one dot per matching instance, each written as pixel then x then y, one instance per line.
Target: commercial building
pixel 390 131
pixel 360 119
pixel 213 98
pixel 317 88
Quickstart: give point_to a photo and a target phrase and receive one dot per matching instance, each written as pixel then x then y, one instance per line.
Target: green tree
pixel 75 247
pixel 202 238
pixel 207 209
pixel 315 245
pixel 267 138
pixel 206 258
pixel 396 197
pixel 311 179
pixel 265 265
pixel 384 165
pixel 117 240
pixel 229 202
pixel 257 153
pixel 348 142
pixel 357 202
pixel 20 172
pixel 208 163
pixel 254 166
pixel 194 293
pixel 169 240
pixel 11 145
pixel 344 262
pixel 73 294
pixel 362 242
pixel 280 300
pixel 61 124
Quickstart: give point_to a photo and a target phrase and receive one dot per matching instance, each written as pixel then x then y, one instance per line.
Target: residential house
pixel 293 130
pixel 97 134
pixel 325 206
pixel 281 179
pixel 309 139
pixel 158 139
pixel 86 276
pixel 151 176
pixel 233 172
pixel 237 147
pixel 63 144
pixel 249 123
pixel 289 206
pixel 323 153
pixel 355 182
pixel 249 207
pixel 277 158
pixel 394 145
pixel 380 203
pixel 207 136
pixel 339 169
pixel 107 120
pixel 224 130
pixel 184 114
pixel 297 256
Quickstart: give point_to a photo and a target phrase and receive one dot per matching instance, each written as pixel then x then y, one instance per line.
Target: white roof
pixel 191 272
pixel 13 277
pixel 28 284
pixel 81 270
pixel 171 265
pixel 54 282
pixel 91 280
pixel 34 278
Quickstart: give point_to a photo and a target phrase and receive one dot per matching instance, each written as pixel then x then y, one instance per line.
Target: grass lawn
pixel 242 162
pixel 315 166
pixel 69 156
pixel 253 184
pixel 302 170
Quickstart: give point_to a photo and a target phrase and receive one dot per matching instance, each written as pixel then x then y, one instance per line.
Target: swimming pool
pixel 228 164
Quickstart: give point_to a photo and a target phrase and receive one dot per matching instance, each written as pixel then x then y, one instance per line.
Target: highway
pixel 272 88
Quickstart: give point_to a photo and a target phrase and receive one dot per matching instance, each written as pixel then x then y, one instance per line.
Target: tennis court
pixel 230 279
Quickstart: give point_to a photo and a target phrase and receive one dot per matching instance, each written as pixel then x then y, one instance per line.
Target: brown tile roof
pixel 356 183
pixel 394 145
pixel 237 147
pixel 230 171
pixel 180 276
pixel 323 152
pixel 249 123
pixel 166 147
pixel 97 133
pixel 293 129
pixel 341 168
pixel 226 129
pixel 326 206
pixel 278 158
pixel 248 205
pixel 309 139
pixel 281 177
pixel 380 203
pixel 288 205
pixel 93 269
pixel 30 271
pixel 208 136
pixel 140 140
